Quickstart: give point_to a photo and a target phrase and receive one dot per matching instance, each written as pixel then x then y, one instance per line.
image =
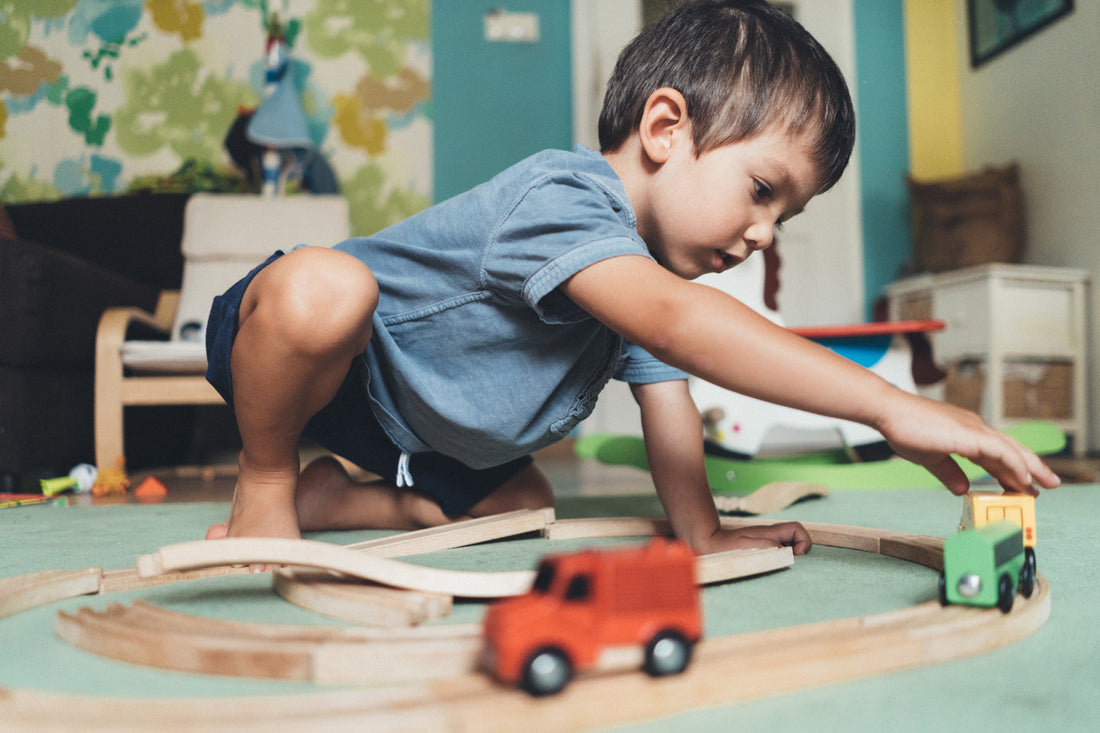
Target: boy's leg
pixel 329 499
pixel 302 321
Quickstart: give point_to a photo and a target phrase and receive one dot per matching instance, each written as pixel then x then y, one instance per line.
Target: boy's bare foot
pixel 263 505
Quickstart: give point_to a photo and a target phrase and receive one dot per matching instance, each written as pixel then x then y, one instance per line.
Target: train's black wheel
pixel 1027 580
pixel 1005 594
pixel 1029 558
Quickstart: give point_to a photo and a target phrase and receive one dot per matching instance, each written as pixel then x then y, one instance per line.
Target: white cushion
pixel 226 235
pixel 180 357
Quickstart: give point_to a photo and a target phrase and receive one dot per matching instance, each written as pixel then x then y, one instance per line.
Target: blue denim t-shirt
pixel 476 354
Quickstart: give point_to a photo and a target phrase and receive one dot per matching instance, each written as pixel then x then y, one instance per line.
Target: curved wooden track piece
pixel 341 598
pixel 152 636
pixel 769 498
pixel 349 599
pixel 325 556
pixel 23 592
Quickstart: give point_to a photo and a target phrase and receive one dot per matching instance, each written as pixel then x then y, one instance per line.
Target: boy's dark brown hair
pixel 742 66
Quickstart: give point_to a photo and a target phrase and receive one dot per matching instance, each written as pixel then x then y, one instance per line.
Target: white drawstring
pixel 404 477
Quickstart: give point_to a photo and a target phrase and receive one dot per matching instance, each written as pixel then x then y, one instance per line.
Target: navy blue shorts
pixel 347 426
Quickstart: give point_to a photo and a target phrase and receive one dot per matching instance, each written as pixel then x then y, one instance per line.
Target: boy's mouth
pixel 724 261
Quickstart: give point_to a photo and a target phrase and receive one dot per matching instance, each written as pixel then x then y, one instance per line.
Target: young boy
pixel 442 351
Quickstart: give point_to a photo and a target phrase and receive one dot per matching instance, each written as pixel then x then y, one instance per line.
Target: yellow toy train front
pixel 982 507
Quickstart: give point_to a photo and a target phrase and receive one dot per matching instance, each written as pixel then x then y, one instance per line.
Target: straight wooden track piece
pixel 124 579
pixel 352 600
pixel 589 528
pixel 333 711
pixel 719 567
pixel 325 556
pixel 920 549
pixel 148 635
pixel 24 592
pixel 458 534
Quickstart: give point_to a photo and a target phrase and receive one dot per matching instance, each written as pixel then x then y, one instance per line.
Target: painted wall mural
pixel 100 97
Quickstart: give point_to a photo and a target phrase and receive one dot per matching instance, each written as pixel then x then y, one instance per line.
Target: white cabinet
pixel 1016 338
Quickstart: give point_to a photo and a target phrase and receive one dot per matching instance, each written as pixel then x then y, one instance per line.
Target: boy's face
pixel 709 213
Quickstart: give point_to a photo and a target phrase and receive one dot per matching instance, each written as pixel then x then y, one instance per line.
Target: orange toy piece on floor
pixel 151 489
pixel 111 480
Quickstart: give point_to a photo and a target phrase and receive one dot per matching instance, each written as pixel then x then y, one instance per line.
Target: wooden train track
pixel 725 670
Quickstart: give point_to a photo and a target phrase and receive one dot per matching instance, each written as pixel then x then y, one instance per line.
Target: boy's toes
pixel 218 531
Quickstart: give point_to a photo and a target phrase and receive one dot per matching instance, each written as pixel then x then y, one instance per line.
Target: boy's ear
pixel 665 122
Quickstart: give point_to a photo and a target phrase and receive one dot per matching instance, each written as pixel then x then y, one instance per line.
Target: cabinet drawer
pixel 1010 317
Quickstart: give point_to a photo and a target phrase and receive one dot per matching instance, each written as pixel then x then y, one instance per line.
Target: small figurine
pixel 111 480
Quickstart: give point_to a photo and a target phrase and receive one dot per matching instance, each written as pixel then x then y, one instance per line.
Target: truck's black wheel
pixel 667 653
pixel 546 672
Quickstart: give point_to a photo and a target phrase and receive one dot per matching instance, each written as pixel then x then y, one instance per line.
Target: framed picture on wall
pixel 997 25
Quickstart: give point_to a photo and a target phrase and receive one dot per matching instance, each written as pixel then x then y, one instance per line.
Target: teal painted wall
pixel 496 103
pixel 884 142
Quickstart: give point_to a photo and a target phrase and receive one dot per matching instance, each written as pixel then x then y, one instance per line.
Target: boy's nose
pixel 759 236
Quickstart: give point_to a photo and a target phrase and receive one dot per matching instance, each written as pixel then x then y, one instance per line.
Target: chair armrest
pixel 115 324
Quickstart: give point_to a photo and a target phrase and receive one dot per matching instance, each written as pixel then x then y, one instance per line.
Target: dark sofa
pixel 69 261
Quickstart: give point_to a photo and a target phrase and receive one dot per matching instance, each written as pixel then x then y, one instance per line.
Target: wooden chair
pixel 224 236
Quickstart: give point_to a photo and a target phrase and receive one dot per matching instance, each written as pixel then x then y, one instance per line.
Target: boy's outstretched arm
pixel 674 446
pixel 715 337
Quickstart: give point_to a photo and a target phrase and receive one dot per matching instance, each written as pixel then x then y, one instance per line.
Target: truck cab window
pixel 578 589
pixel 543 579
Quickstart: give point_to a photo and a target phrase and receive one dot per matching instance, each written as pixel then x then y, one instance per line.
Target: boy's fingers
pixel 1039 471
pixel 795 536
pixel 950 475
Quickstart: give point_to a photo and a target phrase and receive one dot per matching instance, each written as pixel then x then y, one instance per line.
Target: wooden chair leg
pixel 109 446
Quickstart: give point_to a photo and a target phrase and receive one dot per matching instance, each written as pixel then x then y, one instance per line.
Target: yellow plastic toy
pixel 111 480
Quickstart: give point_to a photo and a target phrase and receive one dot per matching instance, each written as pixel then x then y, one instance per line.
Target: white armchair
pixel 224 237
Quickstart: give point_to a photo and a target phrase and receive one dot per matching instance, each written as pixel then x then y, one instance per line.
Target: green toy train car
pixel 984 566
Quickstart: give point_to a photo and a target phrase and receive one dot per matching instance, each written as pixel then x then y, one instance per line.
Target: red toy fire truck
pixel 585 605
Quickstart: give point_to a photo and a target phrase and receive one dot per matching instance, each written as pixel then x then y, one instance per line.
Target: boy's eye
pixel 778 225
pixel 763 190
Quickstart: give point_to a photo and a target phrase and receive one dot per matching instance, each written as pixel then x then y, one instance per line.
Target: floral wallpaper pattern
pixel 96 95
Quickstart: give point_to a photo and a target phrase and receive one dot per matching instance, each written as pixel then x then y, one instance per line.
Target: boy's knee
pixel 319 297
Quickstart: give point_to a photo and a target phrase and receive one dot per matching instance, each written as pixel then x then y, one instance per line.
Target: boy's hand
pixel 784 534
pixel 927 432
